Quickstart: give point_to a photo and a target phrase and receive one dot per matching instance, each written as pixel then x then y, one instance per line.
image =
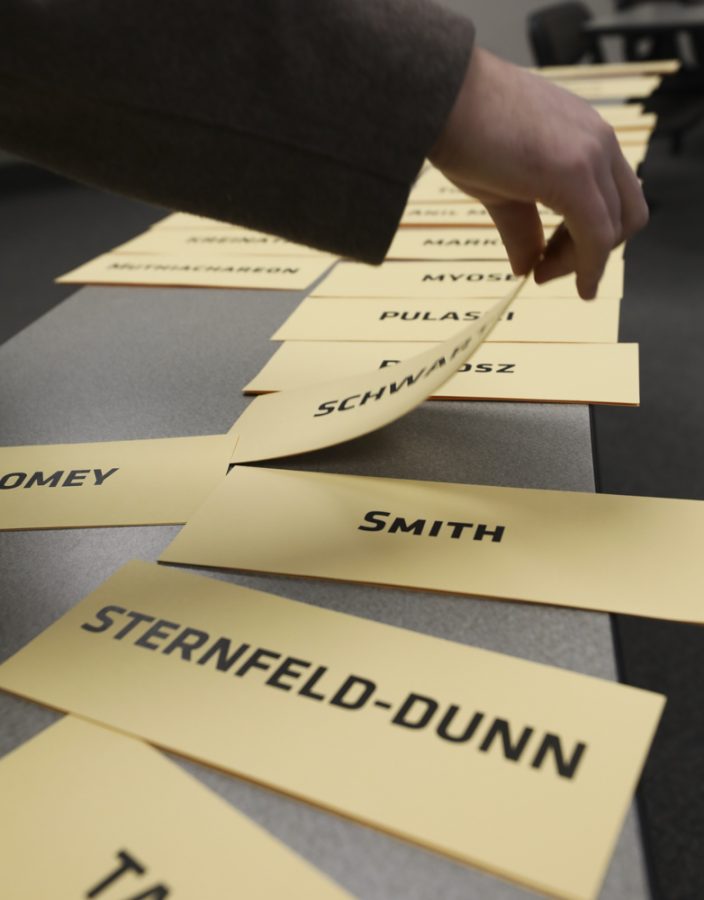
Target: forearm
pixel 307 119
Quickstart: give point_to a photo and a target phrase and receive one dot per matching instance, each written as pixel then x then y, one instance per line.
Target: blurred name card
pixel 366 319
pixel 556 373
pixel 254 272
pixel 447 243
pixel 196 243
pixel 87 812
pixel 614 88
pixel 531 768
pixel 625 118
pixel 638 556
pixel 601 70
pixel 152 482
pixel 460 214
pixel 448 280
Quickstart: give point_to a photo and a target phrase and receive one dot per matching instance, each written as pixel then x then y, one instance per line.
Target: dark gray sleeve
pixel 306 118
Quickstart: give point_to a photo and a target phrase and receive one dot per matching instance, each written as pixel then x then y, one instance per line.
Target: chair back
pixel 557 37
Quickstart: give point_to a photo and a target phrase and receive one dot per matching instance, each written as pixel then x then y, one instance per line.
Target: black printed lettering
pixel 307 689
pixel 326 408
pixel 156 632
pixel 287 669
pixel 136 619
pixel 190 640
pixel 360 688
pixel 158 892
pixel 400 524
pixel 76 477
pixel 496 534
pixel 374 518
pixel 255 661
pixel 104 617
pixel 408 381
pixel 12 480
pixel 346 404
pixel 418 717
pixel 221 648
pixel 372 395
pixel 463 736
pixel 127 864
pixel 551 744
pixel 41 480
pixel 101 477
pixel 501 728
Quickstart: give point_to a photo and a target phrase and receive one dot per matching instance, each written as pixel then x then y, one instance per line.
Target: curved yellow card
pixel 322 415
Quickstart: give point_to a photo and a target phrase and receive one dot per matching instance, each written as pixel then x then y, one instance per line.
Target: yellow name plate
pixel 190 221
pixel 282 273
pixel 453 281
pixel 195 243
pixel 298 421
pixel 599 70
pixel 627 117
pixel 553 373
pixel 369 319
pixel 615 88
pixel 635 555
pixel 519 768
pixel 449 214
pixel 152 482
pixel 88 812
pixel 447 243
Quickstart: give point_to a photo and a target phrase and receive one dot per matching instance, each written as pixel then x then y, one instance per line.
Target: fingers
pixel 634 209
pixel 559 258
pixel 593 236
pixel 521 231
pixel 603 207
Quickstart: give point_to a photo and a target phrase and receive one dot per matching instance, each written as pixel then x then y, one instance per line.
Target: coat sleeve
pixel 306 118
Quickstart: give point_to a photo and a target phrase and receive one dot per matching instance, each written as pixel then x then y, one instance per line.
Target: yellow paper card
pixel 196 243
pixel 627 118
pixel 433 187
pixel 452 281
pixel 190 221
pixel 333 411
pixel 599 70
pixel 634 555
pixel 152 482
pixel 553 373
pixel 366 319
pixel 446 215
pixel 447 243
pixel 622 87
pixel 634 154
pixel 282 273
pixel 88 812
pixel 519 768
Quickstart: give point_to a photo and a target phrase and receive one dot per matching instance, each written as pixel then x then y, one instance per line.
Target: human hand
pixel 514 139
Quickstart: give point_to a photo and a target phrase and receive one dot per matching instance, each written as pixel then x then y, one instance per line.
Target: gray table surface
pixel 649 17
pixel 113 363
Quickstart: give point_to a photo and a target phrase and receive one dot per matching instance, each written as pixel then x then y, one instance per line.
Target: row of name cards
pixel 87 812
pixel 549 373
pixel 521 769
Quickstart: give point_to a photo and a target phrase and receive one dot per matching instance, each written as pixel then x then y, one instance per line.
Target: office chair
pixel 557 38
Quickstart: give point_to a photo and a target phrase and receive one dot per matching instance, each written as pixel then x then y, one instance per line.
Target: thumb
pixel 521 231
